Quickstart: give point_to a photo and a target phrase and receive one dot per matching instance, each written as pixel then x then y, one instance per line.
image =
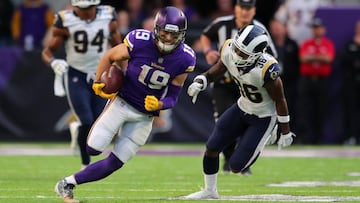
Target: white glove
pixel 273 136
pixel 59 66
pixel 195 88
pixel 285 140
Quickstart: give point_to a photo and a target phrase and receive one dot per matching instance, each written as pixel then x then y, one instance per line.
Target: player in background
pixel 87 31
pixel 158 65
pixel 224 90
pixel 297 15
pixel 253 117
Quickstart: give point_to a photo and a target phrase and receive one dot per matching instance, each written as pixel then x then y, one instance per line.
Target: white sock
pixel 210 182
pixel 71 179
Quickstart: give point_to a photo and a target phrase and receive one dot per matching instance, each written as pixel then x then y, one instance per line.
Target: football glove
pixel 196 87
pixel 98 89
pixel 285 140
pixel 59 66
pixel 151 103
pixel 273 136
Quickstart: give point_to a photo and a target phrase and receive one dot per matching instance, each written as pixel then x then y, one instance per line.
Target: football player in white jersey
pixel 87 31
pixel 253 117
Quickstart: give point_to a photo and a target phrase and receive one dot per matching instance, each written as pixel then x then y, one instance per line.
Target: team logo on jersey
pixel 274 74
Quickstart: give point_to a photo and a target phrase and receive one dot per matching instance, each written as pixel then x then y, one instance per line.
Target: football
pixel 113 77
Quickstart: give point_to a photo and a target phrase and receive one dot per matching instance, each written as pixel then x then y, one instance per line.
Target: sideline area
pixel 182 150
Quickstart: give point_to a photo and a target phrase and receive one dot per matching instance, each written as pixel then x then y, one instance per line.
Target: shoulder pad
pixel 137 35
pixel 106 12
pixel 59 19
pixel 226 43
pixel 270 70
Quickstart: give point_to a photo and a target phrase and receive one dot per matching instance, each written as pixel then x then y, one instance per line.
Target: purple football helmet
pixel 173 20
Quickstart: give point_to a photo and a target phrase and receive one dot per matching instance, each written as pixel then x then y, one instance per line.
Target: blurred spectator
pixel 316 57
pixel 137 12
pixel 117 4
pixel 123 22
pixel 225 91
pixel 30 23
pixel 148 23
pixel 6 13
pixel 297 15
pixel 350 59
pixel 224 8
pixel 288 58
pixel 188 10
pixel 265 10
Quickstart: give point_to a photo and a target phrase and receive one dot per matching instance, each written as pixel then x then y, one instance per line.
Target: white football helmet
pixel 84 3
pixel 248 45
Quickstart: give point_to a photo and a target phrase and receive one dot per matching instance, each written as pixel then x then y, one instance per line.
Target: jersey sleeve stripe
pixel 226 43
pixel 128 43
pixel 190 69
pixel 266 67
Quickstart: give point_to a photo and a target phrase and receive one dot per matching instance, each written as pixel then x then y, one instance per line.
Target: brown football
pixel 113 78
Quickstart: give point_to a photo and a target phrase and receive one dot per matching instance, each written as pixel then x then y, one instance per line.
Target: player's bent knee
pixel 236 166
pixel 91 151
pixel 114 162
pixel 211 153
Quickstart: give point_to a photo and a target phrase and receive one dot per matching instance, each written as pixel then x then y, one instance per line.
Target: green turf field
pixel 162 178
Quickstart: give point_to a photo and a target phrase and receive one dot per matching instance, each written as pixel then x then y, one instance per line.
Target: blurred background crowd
pixel 323 104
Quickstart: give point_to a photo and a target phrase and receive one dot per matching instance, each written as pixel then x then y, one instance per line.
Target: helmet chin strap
pixel 166 48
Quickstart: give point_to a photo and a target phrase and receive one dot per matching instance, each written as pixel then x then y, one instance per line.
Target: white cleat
pixel 203 194
pixel 65 190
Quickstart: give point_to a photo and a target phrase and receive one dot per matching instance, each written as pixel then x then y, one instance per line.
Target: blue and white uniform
pixel 253 116
pixel 87 42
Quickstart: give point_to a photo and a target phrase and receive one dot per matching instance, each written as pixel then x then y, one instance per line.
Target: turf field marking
pixel 315 184
pixel 282 198
pixel 279 198
pixel 353 174
pixel 245 198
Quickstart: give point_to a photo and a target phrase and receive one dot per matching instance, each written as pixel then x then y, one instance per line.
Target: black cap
pixel 249 3
pixel 316 22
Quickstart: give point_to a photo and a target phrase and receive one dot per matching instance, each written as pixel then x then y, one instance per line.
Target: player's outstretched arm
pixel 200 82
pixel 276 92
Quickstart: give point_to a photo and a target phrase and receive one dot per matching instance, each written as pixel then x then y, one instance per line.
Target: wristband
pixel 51 60
pixel 283 119
pixel 286 134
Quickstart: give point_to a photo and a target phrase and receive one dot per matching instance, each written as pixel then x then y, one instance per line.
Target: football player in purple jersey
pixel 158 64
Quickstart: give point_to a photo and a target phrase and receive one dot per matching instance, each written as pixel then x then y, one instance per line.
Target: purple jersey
pixel 149 72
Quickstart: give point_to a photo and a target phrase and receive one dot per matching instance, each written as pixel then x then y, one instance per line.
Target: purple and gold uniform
pixel 149 72
pixel 157 66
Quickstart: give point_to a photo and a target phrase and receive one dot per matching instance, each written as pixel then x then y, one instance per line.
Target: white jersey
pixel 297 16
pixel 254 97
pixel 88 40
